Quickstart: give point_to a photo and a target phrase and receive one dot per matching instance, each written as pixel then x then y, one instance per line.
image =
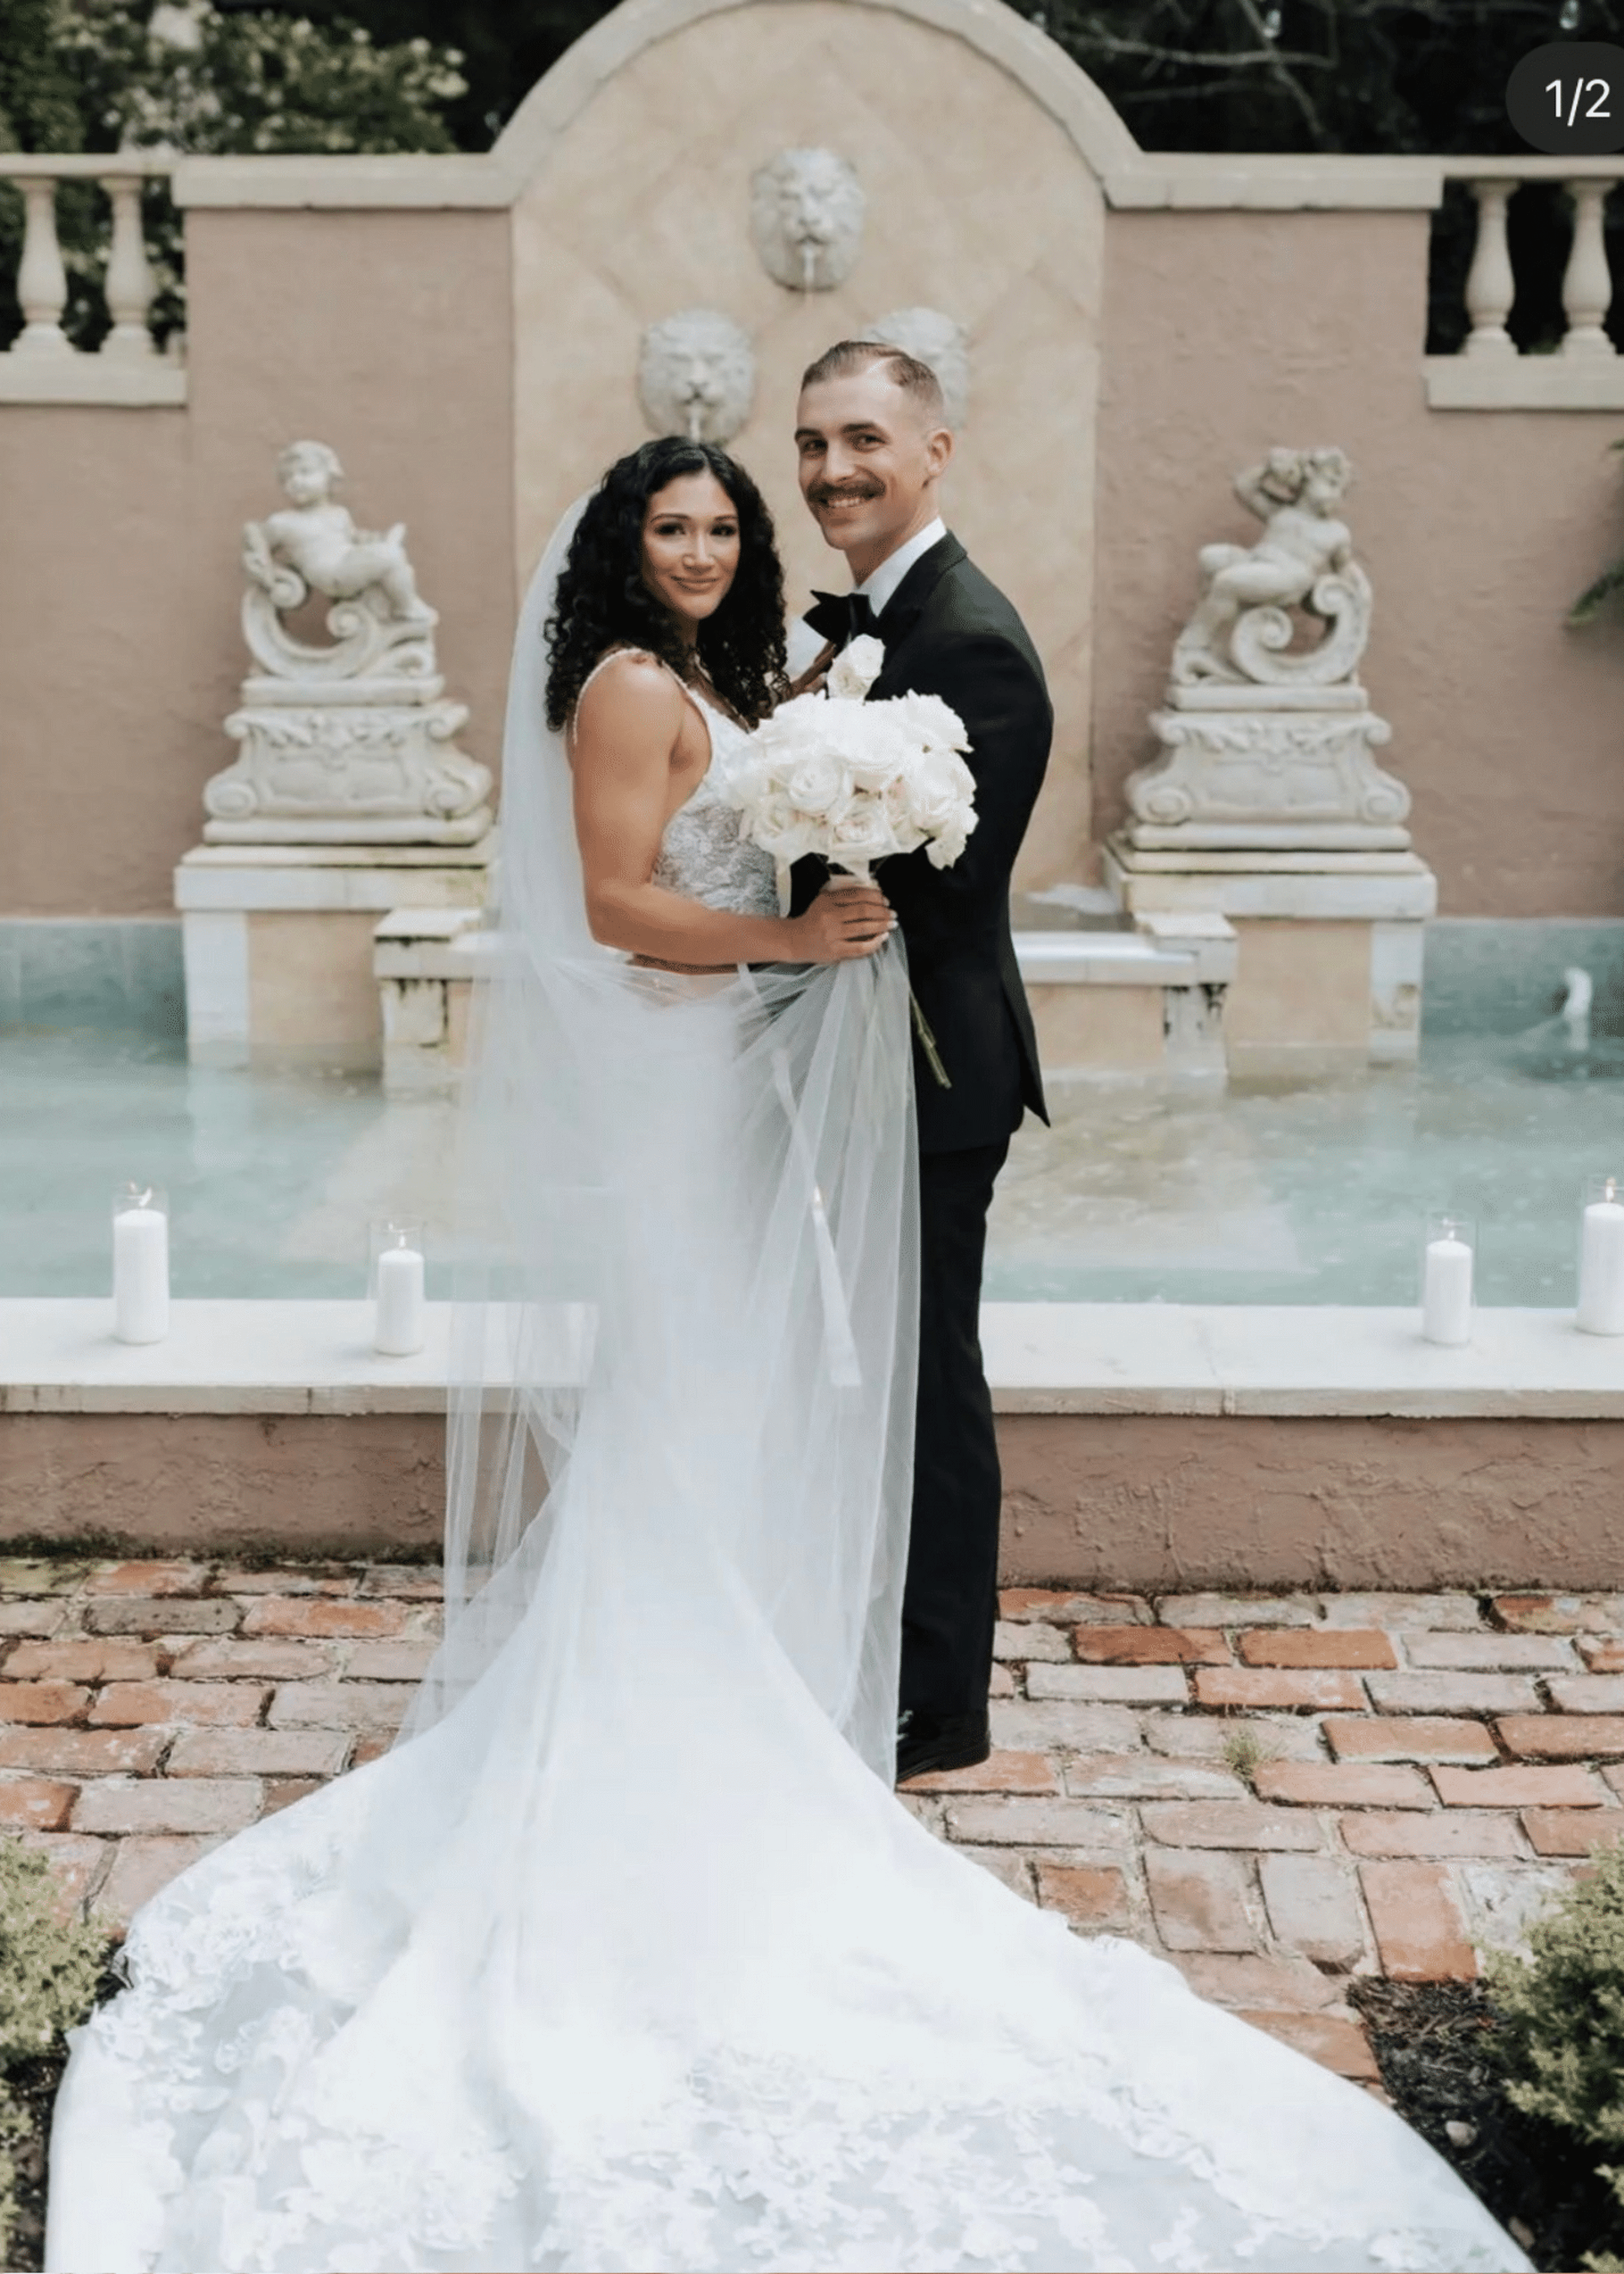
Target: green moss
pixel 50 1970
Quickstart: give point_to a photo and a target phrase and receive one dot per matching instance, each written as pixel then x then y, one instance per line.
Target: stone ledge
pixel 145 384
pixel 58 1356
pixel 1523 382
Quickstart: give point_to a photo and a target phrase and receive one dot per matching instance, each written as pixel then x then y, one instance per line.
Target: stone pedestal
pixel 1329 945
pixel 278 943
pixel 425 961
pixel 1133 1003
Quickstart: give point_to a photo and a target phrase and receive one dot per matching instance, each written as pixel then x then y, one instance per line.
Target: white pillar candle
pixel 1601 1265
pixel 1446 1290
pixel 402 1323
pixel 141 1275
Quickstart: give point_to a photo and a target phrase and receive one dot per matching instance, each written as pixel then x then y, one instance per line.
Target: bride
pixel 625 1955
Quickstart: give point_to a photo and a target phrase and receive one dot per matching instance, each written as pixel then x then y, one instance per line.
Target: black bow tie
pixel 843 617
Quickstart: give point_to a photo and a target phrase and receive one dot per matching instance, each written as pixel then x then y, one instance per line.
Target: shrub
pixel 1561 2019
pixel 49 1971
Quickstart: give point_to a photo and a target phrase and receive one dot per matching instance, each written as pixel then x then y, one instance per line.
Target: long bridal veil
pixel 625 1956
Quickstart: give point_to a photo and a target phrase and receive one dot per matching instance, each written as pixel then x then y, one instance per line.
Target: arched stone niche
pixel 979 146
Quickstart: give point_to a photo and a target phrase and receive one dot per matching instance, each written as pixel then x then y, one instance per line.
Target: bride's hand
pixel 846 920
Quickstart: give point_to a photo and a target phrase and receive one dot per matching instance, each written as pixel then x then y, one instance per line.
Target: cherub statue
pixel 314 536
pixel 1304 558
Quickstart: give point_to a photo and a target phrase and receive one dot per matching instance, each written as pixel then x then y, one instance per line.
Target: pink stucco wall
pixel 1229 332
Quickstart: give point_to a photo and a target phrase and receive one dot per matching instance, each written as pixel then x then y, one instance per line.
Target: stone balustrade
pixel 1586 372
pixel 42 364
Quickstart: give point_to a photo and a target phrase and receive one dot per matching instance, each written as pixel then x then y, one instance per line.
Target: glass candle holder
pixel 395 1283
pixel 1601 1258
pixel 1449 1258
pixel 140 1263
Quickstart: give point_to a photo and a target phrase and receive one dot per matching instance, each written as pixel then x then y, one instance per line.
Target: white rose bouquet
pixel 856 782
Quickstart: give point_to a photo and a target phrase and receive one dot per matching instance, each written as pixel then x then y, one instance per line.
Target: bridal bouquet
pixel 855 782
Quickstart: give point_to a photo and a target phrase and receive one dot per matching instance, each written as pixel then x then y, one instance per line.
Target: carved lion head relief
pixel 934 339
pixel 697 376
pixel 806 209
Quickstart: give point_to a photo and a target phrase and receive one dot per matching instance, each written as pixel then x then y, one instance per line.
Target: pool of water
pixel 1279 1192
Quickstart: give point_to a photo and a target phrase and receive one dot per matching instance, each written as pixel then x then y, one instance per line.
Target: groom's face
pixel 869 465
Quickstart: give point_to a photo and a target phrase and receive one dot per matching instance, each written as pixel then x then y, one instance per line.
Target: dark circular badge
pixel 1567 99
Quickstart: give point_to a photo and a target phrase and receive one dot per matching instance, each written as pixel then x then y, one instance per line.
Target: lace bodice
pixel 702 855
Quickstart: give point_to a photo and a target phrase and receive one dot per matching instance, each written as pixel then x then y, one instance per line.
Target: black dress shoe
pixel 928 1742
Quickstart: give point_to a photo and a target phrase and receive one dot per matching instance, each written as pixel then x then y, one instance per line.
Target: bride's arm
pixel 627 730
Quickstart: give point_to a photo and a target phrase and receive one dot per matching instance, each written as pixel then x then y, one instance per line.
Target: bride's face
pixel 690 546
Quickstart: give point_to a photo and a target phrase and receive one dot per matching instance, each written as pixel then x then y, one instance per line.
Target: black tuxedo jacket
pixel 948 632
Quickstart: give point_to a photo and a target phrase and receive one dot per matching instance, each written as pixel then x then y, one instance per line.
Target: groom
pixel 874 445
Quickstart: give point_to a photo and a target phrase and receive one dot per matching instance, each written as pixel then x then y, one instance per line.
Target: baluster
pixel 131 284
pixel 41 281
pixel 1587 283
pixel 1490 287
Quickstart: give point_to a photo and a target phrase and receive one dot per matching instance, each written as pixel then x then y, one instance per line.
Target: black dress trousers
pixel 950 1600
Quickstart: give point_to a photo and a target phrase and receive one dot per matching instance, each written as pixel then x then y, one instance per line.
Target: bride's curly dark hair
pixel 603 601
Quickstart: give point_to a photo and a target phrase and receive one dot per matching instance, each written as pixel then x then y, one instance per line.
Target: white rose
pixel 940 787
pixel 877 749
pixel 931 722
pixel 862 832
pixel 856 668
pixel 944 849
pixel 819 781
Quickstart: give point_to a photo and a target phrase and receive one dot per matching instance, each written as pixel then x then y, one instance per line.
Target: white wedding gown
pixel 629 1959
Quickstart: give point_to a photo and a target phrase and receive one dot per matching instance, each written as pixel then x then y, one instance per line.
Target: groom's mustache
pixel 821 493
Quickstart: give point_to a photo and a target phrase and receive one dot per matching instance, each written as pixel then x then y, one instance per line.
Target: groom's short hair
pixel 916 379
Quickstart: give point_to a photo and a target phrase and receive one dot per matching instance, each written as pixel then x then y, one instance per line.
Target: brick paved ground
pixel 1275 1792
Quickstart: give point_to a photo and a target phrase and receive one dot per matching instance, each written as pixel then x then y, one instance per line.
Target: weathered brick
pixel 1000 1681
pixel 1228 1824
pixel 48 1617
pixel 1461 1653
pixel 1425 1737
pixel 1060 1607
pixel 1038 1823
pixel 1419 1932
pixel 289 1579
pixel 368 1747
pixel 1563 1737
pixel 213 1703
pixel 1564 1787
pixel 1309 1647
pixel 1571 1831
pixel 83 1752
pixel 282 1792
pixel 1575 1693
pixel 141 1866
pixel 405 1657
pixel 258 1752
pixel 32 1804
pixel 1561 1614
pixel 229 1660
pixel 1143 1776
pixel 1049 1725
pixel 1090 1894
pixel 1115 1685
pixel 78 1659
pixel 325 1705
pixel 1321 1690
pixel 1602 1654
pixel 1314 1906
pixel 1341 1784
pixel 1210 1736
pixel 164 1576
pixel 77 1862
pixel 1283 1985
pixel 1337 2045
pixel 1441 1831
pixel 421 1580
pixel 1236 1610
pixel 1199 1900
pixel 163 1615
pixel 42 1575
pixel 1022 1638
pixel 1401 1614
pixel 999 1772
pixel 1151 1646
pixel 322 1616
pixel 1004 1864
pixel 168 1804
pixel 1453 1693
pixel 42 1701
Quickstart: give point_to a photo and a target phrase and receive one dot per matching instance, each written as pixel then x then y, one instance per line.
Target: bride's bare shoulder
pixel 629 690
